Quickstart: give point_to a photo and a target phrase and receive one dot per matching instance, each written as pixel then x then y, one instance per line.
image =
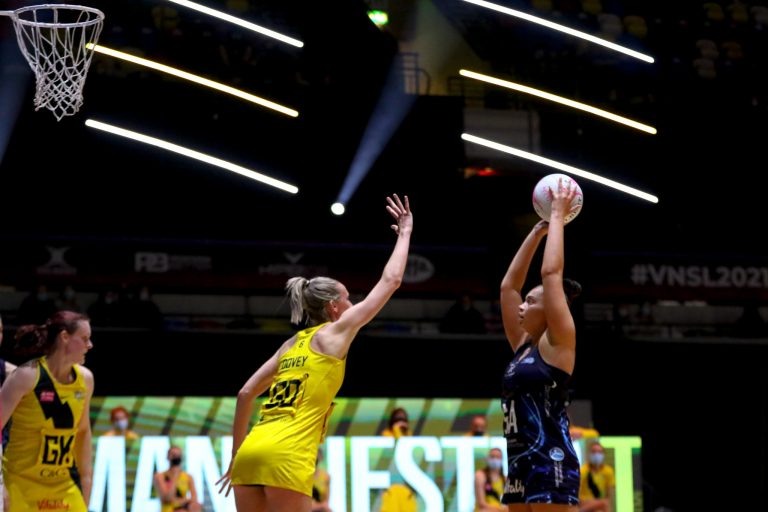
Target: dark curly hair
pixel 572 289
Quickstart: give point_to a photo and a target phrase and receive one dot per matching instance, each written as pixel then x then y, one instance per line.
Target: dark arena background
pixel 672 339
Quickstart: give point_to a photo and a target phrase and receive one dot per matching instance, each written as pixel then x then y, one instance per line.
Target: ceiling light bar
pixel 559 99
pixel 563 28
pixel 193 78
pixel 181 150
pixel 239 21
pixel 560 166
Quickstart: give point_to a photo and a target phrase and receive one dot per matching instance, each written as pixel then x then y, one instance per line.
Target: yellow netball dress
pixel 39 462
pixel 281 449
pixel 182 491
pixel 494 490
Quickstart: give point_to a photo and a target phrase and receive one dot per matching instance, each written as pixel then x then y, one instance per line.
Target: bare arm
pixel 194 503
pixel 339 334
pixel 561 331
pixel 83 439
pixel 254 386
pixel 513 281
pixel 18 384
pixel 610 496
pixel 480 490
pixel 480 497
pixel 166 491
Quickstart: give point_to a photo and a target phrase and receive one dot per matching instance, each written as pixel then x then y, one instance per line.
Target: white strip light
pixel 559 99
pixel 560 166
pixel 240 22
pixel 562 28
pixel 152 141
pixel 193 78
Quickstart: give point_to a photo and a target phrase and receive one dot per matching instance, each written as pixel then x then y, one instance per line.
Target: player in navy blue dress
pixel 543 473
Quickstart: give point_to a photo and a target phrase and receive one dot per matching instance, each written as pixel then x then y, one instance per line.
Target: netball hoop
pixel 55 39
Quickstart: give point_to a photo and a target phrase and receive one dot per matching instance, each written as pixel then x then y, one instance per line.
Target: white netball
pixel 542 196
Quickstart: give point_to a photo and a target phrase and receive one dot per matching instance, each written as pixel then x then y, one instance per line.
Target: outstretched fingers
pixel 569 187
pixel 399 210
pixel 565 189
pixel 395 207
pixel 225 482
pixel 407 207
pixel 570 193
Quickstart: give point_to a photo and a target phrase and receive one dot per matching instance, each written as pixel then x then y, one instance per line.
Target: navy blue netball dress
pixel 543 467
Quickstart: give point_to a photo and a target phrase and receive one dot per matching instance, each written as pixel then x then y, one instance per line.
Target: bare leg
pixel 599 505
pixel 250 498
pixel 542 507
pixel 285 500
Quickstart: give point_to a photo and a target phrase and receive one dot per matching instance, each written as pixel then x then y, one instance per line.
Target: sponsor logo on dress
pixel 79 395
pixel 47 396
pixel 558 474
pixel 51 473
pixel 52 505
pixel 514 488
pixel 556 454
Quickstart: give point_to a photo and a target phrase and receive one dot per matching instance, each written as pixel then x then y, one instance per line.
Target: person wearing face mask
pixel 175 487
pixel 489 483
pixel 120 423
pixel 107 311
pixel 68 300
pixel 398 424
pixel 144 312
pixel 37 307
pixel 463 317
pixel 598 482
pixel 48 457
pixel 478 427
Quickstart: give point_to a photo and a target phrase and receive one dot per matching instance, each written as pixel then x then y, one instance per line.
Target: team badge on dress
pixel 556 454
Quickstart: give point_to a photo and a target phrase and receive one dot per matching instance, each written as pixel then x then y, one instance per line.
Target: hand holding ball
pixel 543 194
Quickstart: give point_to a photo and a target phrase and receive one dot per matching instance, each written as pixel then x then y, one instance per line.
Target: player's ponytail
pixel 572 289
pixel 31 341
pixel 38 340
pixel 308 297
pixel 294 288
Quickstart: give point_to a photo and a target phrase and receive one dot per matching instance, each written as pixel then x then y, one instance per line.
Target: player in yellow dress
pixel 175 487
pixel 273 467
pixel 489 483
pixel 47 463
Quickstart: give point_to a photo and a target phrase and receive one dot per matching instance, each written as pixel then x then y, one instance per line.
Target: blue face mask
pixel 596 458
pixel 495 464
